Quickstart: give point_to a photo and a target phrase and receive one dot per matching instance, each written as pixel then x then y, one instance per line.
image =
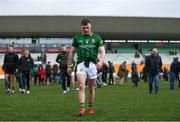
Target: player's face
pixel 86 29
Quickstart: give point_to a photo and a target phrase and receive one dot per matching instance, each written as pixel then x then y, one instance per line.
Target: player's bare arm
pixel 102 57
pixel 70 58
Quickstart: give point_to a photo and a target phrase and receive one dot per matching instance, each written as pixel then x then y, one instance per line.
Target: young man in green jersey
pixel 87 44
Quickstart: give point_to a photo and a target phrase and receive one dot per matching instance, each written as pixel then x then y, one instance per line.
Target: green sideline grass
pixel 111 103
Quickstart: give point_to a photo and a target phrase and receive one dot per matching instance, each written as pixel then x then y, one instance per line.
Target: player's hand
pixel 99 65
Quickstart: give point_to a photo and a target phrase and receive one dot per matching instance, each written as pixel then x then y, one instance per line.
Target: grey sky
pixel 145 8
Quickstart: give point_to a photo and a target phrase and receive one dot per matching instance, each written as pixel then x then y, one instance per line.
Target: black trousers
pixel 35 79
pixel 19 80
pixel 111 78
pixel 48 76
pixel 65 80
pixel 25 80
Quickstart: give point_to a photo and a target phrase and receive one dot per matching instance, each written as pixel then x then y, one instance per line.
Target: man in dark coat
pixel 153 66
pixel 11 60
pixel 25 67
pixel 62 59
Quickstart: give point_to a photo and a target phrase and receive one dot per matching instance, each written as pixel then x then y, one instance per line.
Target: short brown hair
pixel 24 49
pixel 85 21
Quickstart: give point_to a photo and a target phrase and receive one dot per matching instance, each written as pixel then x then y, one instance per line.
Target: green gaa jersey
pixel 87 46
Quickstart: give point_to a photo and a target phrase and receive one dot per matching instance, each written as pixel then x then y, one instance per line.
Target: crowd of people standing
pixel 24 70
pixel 26 73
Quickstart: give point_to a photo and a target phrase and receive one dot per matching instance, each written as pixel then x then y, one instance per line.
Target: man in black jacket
pixel 48 71
pixel 62 59
pixel 177 72
pixel 9 66
pixel 153 66
pixel 26 64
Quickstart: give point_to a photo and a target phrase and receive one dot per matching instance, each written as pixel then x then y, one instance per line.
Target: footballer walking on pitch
pixel 87 44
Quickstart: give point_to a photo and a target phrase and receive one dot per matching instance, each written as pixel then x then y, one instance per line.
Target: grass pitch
pixel 111 103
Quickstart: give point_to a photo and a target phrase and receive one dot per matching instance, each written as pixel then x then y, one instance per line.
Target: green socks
pixel 82 105
pixel 90 104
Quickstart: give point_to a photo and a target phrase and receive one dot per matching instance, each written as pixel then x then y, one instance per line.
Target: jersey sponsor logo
pixel 80 41
pixel 87 46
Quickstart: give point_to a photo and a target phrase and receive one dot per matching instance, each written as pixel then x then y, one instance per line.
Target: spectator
pixel 122 72
pixel 55 73
pixel 127 72
pixel 35 73
pixel 104 73
pixel 166 74
pixel 111 73
pixel 173 73
pixel 62 59
pixel 41 75
pixel 134 74
pixel 177 72
pixel 153 66
pixel 137 55
pixel 10 64
pixel 48 71
pixel 26 64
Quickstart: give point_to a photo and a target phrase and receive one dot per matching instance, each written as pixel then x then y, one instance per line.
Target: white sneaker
pixel 7 90
pixel 12 91
pixel 23 91
pixel 64 92
pixel 104 84
pixel 28 92
pixel 20 90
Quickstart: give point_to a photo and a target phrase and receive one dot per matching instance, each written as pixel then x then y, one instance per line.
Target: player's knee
pixel 81 87
pixel 91 89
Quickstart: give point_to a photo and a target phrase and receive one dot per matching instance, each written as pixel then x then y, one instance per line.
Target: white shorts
pixel 91 72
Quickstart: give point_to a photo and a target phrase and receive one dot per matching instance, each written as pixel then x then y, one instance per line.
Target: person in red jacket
pixel 41 75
